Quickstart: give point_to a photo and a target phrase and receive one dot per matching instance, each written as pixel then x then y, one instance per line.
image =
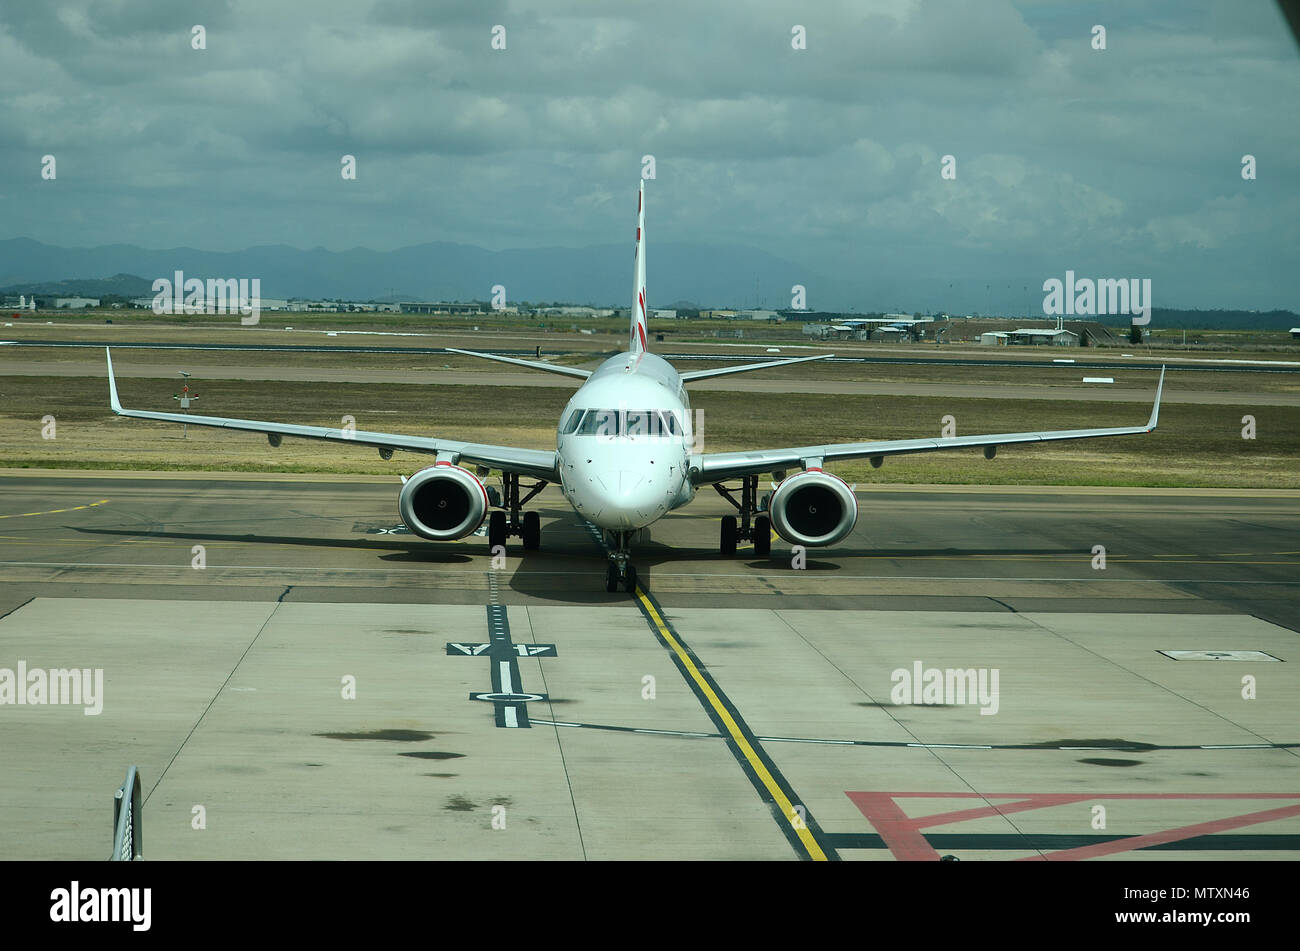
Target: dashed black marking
pixel 507 696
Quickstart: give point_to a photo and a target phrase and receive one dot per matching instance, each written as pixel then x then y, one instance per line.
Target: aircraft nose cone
pixel 628 499
pixel 620 483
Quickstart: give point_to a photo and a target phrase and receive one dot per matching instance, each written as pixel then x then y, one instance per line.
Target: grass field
pixel 1196 445
pixel 588 351
pixel 607 333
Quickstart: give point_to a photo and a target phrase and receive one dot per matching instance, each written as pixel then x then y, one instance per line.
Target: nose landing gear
pixel 620 571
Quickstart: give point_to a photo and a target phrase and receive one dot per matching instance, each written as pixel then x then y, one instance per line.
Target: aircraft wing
pixel 538 463
pixel 723 371
pixel 531 364
pixel 719 466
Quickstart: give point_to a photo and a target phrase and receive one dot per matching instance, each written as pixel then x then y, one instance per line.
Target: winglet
pixel 112 385
pixel 1155 410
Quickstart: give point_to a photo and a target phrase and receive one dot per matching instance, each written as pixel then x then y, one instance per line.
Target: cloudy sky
pixel 1122 162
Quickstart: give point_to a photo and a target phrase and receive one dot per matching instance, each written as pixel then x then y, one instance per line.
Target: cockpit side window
pixel 571 424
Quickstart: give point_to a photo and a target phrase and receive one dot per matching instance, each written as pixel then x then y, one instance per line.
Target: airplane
pixel 626 455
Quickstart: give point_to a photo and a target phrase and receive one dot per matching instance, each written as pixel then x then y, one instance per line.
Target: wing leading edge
pixel 746 368
pixel 531 364
pixel 532 462
pixel 719 466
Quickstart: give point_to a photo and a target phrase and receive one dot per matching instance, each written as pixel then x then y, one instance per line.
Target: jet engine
pixel 813 508
pixel 443 502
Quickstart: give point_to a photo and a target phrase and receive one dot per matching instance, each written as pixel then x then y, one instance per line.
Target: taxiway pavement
pixel 297 678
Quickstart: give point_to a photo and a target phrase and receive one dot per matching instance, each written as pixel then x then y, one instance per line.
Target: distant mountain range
pixel 599 275
pixel 121 285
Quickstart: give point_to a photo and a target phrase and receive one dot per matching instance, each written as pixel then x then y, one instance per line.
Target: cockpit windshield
pixel 599 422
pixel 622 422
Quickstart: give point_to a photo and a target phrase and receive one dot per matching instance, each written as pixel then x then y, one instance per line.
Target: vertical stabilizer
pixel 637 343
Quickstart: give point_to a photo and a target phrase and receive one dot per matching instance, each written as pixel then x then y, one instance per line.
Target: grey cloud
pixel 828 155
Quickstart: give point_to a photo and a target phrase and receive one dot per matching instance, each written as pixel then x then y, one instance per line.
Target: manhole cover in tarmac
pixel 1221 655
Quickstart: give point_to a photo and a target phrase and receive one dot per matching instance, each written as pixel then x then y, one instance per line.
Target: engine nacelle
pixel 443 502
pixel 813 508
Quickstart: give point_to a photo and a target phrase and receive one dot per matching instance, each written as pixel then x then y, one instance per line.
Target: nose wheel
pixel 620 572
pixel 625 580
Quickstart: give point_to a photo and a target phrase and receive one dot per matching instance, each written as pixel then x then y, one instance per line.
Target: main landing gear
pixel 752 527
pixel 620 571
pixel 501 526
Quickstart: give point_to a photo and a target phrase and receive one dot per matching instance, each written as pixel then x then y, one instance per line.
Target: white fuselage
pixel 624 442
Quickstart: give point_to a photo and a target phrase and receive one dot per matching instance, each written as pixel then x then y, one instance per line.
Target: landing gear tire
pixel 532 531
pixel 629 583
pixel 762 536
pixel 496 529
pixel 727 543
pixel 611 577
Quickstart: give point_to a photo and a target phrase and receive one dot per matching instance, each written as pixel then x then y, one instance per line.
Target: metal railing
pixel 128 820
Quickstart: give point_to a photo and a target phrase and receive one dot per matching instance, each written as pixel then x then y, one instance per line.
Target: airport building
pixel 1042 336
pixel 264 303
pixel 439 307
pixel 886 334
pixel 573 311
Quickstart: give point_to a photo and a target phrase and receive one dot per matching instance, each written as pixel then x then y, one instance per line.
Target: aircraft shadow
pixel 905 553
pixel 414 550
pixel 535 576
pixel 536 573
